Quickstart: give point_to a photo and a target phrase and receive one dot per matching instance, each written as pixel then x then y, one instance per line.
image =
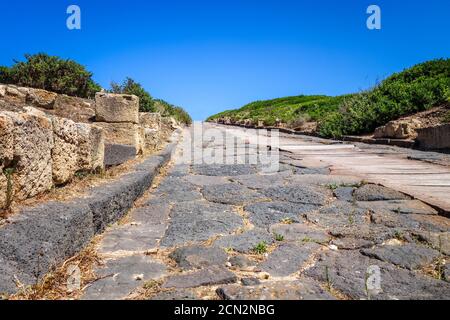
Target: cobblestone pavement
pixel 235 232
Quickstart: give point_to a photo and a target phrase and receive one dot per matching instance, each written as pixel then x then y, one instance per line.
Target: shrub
pixel 416 89
pixel 169 110
pixel 129 86
pixel 51 73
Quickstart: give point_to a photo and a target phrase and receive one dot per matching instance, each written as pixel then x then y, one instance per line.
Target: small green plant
pixel 399 235
pixel 332 186
pixel 307 239
pixel 279 237
pixel 260 248
pixel 151 284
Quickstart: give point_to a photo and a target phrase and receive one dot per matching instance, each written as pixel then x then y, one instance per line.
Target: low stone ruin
pixel 42 151
pixel 399 129
pixel 46 138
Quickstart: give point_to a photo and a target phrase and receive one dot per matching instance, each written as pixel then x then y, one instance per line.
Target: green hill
pixel 413 90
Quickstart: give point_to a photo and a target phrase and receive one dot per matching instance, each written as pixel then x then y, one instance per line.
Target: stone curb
pixel 40 238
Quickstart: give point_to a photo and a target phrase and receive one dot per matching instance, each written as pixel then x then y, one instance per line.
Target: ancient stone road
pixel 234 232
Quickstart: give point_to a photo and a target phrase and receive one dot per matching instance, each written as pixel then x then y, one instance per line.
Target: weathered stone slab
pixel 241 261
pixel 347 272
pixel 230 193
pixel 245 242
pixel 116 154
pixel 224 170
pixel 300 232
pixel 42 237
pixel 181 294
pixel 133 238
pixel 250 281
pixel 299 194
pixel 372 192
pixel 344 193
pixel 91 147
pixel 203 181
pixel 197 257
pixel 115 108
pixel 398 206
pixel 41 98
pixel 151 213
pixel 323 180
pixel 65 150
pixel 150 120
pixel 264 214
pixel 33 143
pixel 6 139
pixel 438 240
pixel 437 137
pixel 256 181
pixel 409 256
pixel 204 277
pixel 199 221
pixel 111 201
pixel 303 289
pixel 122 276
pixel 288 258
pixel 129 134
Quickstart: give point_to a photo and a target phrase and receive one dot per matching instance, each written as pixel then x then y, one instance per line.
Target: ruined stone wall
pixel 39 151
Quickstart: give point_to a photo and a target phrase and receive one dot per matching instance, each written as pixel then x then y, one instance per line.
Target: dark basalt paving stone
pixel 182 294
pixel 412 222
pixel 264 214
pixel 352 243
pixel 409 256
pixel 288 258
pixel 179 170
pixel 303 289
pixel 132 238
pixel 204 277
pixel 347 272
pixel 245 242
pixel 257 181
pixel 250 281
pixel 438 240
pixel 120 277
pixel 323 180
pixel 171 185
pixel 372 192
pixel 344 193
pixel 339 214
pixel 300 232
pixel 198 257
pixel 202 181
pixel 224 169
pixel 230 193
pixel 241 261
pixel 399 206
pixel 151 213
pixel 199 221
pixel 446 272
pixel 299 194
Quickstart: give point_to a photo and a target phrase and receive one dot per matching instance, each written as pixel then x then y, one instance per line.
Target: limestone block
pixel 6 138
pixel 91 147
pixel 150 120
pixel 123 133
pixel 74 108
pixel 399 129
pixel 41 98
pixel 114 108
pixel 13 94
pixel 65 150
pixel 2 90
pixel 437 137
pixel 33 143
pixel 3 188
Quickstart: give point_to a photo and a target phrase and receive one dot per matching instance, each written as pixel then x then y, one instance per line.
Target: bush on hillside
pixel 169 110
pixel 129 86
pixel 51 73
pixel 413 90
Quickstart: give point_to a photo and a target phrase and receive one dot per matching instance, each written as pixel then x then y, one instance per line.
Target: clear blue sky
pixel 212 55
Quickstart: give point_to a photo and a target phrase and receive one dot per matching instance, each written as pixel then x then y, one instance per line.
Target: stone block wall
pixel 44 151
pixel 437 137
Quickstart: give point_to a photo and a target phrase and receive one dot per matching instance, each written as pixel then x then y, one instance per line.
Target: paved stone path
pixel 234 232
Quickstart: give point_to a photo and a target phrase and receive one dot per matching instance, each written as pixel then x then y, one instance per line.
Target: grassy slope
pixel 415 89
pixel 286 109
